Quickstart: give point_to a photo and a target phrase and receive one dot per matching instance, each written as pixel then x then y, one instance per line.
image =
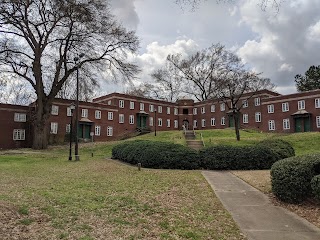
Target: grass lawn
pixel 44 196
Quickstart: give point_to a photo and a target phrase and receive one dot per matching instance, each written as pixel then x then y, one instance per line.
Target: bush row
pixel 294 179
pixel 167 155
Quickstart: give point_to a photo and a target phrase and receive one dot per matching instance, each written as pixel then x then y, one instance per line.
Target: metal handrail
pixel 201 137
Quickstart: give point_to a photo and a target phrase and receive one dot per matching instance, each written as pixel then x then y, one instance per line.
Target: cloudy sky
pixel 280 45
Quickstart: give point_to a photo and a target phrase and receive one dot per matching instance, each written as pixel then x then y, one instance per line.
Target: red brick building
pixel 116 116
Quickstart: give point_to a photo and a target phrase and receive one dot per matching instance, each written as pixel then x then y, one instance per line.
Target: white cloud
pixel 314 32
pixel 125 13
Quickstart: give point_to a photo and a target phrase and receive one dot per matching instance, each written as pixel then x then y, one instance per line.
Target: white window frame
pixel 160 122
pixel 286 123
pixel 317 103
pixel 54 110
pixel 110 115
pixel 285 107
pixel 175 111
pixel 257 117
pixel 97 130
pixel 84 113
pixel 121 118
pixel 168 110
pixel 318 121
pixel 20 117
pixel 272 125
pixel 159 109
pixel 203 110
pixel 131 119
pixel 109 131
pixel 53 128
pixel 97 114
pixel 195 123
pixel 68 128
pixel 168 123
pixel 69 112
pixel 151 108
pixel 203 123
pixel 301 104
pixel 271 108
pixel 245 103
pixel 222 107
pixel 213 121
pixel 141 106
pixel 150 121
pixel 257 101
pixel 121 103
pixel 19 134
pixel 213 108
pixel 131 105
pixel 195 111
pixel 245 118
pixel 223 121
pixel 175 123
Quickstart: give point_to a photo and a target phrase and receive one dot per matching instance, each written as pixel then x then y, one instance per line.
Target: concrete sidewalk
pixel 256 216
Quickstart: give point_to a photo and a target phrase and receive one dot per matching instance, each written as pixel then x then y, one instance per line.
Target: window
pixel 97 114
pixel 213 121
pixel 110 115
pixel 84 113
pixel 159 109
pixel 68 128
pixel 185 111
pixel 131 119
pixel 213 108
pixel 175 111
pixel 19 134
pixel 54 110
pixel 301 105
pixel 151 108
pixel 121 118
pixel 222 107
pixel 168 110
pixel 258 116
pixel 195 110
pixel 195 123
pixel 271 108
pixel 20 117
pixel 141 106
pixel 54 128
pixel 159 122
pixel 286 123
pixel 257 101
pixel 317 103
pixel 69 112
pixel 203 123
pixel 223 121
pixel 271 125
pixel 175 123
pixel 97 130
pixel 109 102
pixel 151 121
pixel 318 121
pixel 285 107
pixel 203 110
pixel 245 118
pixel 131 105
pixel 121 103
pixel 168 122
pixel 245 103
pixel 109 131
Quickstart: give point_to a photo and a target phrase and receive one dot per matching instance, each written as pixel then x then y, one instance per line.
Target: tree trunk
pixel 236 125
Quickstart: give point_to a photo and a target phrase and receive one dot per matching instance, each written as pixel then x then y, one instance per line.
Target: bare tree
pixel 40 39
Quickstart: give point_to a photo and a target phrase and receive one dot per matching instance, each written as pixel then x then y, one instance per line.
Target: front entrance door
pixel 307 125
pixel 84 130
pixel 298 125
pixel 142 122
pixel 231 121
pixel 185 123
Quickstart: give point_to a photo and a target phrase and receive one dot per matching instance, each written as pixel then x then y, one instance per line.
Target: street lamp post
pixel 76 60
pixel 155 122
pixel 72 107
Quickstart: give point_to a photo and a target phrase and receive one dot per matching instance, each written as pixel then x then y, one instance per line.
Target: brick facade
pixel 116 115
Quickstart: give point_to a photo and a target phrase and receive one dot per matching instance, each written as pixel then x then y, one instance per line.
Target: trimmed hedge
pixel 156 155
pixel 280 147
pixel 315 186
pixel 291 177
pixel 237 157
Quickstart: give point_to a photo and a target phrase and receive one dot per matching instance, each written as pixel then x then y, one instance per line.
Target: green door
pixel 86 131
pixel 142 121
pixel 298 125
pixel 307 125
pixel 231 121
pixel 80 130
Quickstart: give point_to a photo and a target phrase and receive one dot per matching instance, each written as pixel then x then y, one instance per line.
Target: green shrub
pixel 280 147
pixel 156 155
pixel 291 177
pixel 315 186
pixel 237 157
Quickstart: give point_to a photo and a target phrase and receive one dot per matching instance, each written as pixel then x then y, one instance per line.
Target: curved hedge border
pixel 156 155
pixel 280 147
pixel 291 177
pixel 315 186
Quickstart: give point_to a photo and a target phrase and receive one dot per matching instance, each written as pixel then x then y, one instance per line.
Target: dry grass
pixel 310 209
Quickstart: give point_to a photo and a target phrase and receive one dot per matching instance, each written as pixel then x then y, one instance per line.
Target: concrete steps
pixel 191 142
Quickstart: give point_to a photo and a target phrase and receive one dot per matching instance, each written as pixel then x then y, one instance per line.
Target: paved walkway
pixel 256 216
